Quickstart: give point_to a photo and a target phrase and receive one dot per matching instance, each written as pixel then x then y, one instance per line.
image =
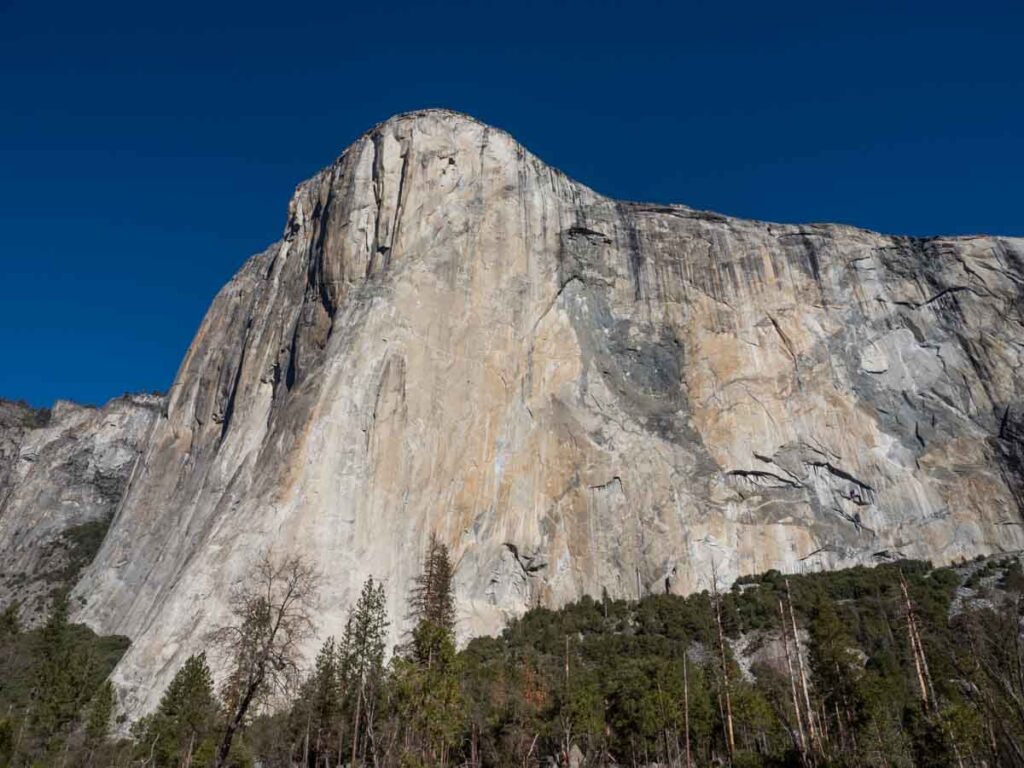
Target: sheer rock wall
pixel 575 393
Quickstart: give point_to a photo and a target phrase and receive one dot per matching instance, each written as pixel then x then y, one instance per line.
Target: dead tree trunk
pixel 812 731
pixel 915 649
pixel 801 736
pixel 730 736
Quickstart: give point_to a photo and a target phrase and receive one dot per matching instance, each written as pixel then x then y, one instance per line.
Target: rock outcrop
pixel 63 472
pixel 577 394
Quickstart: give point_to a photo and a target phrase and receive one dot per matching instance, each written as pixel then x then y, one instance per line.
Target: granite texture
pixel 63 472
pixel 577 394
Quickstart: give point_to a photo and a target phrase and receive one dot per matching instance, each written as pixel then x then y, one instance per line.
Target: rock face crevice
pixel 577 394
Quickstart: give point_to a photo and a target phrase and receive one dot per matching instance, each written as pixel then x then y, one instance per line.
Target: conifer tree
pixel 60 690
pixel 833 657
pixel 426 681
pixel 320 704
pixel 97 724
pixel 362 660
pixel 181 731
pixel 432 604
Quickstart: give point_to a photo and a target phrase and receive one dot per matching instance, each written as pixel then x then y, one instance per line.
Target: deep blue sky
pixel 147 148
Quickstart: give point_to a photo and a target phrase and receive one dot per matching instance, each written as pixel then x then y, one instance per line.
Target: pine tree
pixel 181 731
pixel 320 706
pixel 58 691
pixel 833 656
pixel 429 705
pixel 361 660
pixel 426 680
pixel 97 724
pixel 432 604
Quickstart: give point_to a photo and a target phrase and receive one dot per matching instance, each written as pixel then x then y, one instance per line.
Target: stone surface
pixel 61 469
pixel 575 393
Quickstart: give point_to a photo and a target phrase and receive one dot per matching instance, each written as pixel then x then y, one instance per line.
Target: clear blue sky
pixel 146 149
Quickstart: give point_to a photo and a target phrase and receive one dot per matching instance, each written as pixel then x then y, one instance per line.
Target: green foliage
pixel 835 663
pixel 596 683
pixel 424 693
pixel 97 724
pixel 66 673
pixel 10 622
pixel 338 704
pixel 1013 577
pixel 429 701
pixel 185 723
pixel 83 542
pixel 432 604
pixel 51 687
pixel 623 698
pixel 364 642
pixel 7 741
pixel 361 661
pixel 320 708
pixel 25 414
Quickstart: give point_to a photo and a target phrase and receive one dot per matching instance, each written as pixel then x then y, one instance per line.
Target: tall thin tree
pixel 811 730
pixel 363 648
pixel 717 599
pixel 801 737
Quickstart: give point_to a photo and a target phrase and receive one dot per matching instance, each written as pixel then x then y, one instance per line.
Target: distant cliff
pixel 63 472
pixel 577 394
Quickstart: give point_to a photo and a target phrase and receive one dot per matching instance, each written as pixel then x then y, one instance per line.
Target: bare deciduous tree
pixel 272 611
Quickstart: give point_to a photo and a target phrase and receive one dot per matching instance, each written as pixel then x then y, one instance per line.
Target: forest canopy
pixel 897 665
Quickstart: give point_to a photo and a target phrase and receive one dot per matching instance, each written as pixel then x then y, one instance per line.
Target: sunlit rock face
pixel 577 394
pixel 63 472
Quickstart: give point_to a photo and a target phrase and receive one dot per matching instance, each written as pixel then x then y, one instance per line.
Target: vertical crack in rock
pixel 229 408
pixel 634 254
pixel 388 201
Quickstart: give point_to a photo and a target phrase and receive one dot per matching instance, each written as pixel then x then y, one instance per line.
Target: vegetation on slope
pixel 898 665
pixel 53 690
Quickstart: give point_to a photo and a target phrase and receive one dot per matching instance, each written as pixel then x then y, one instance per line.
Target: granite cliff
pixel 63 472
pixel 577 394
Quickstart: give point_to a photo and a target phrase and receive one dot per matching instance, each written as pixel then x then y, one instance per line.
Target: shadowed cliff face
pixel 575 393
